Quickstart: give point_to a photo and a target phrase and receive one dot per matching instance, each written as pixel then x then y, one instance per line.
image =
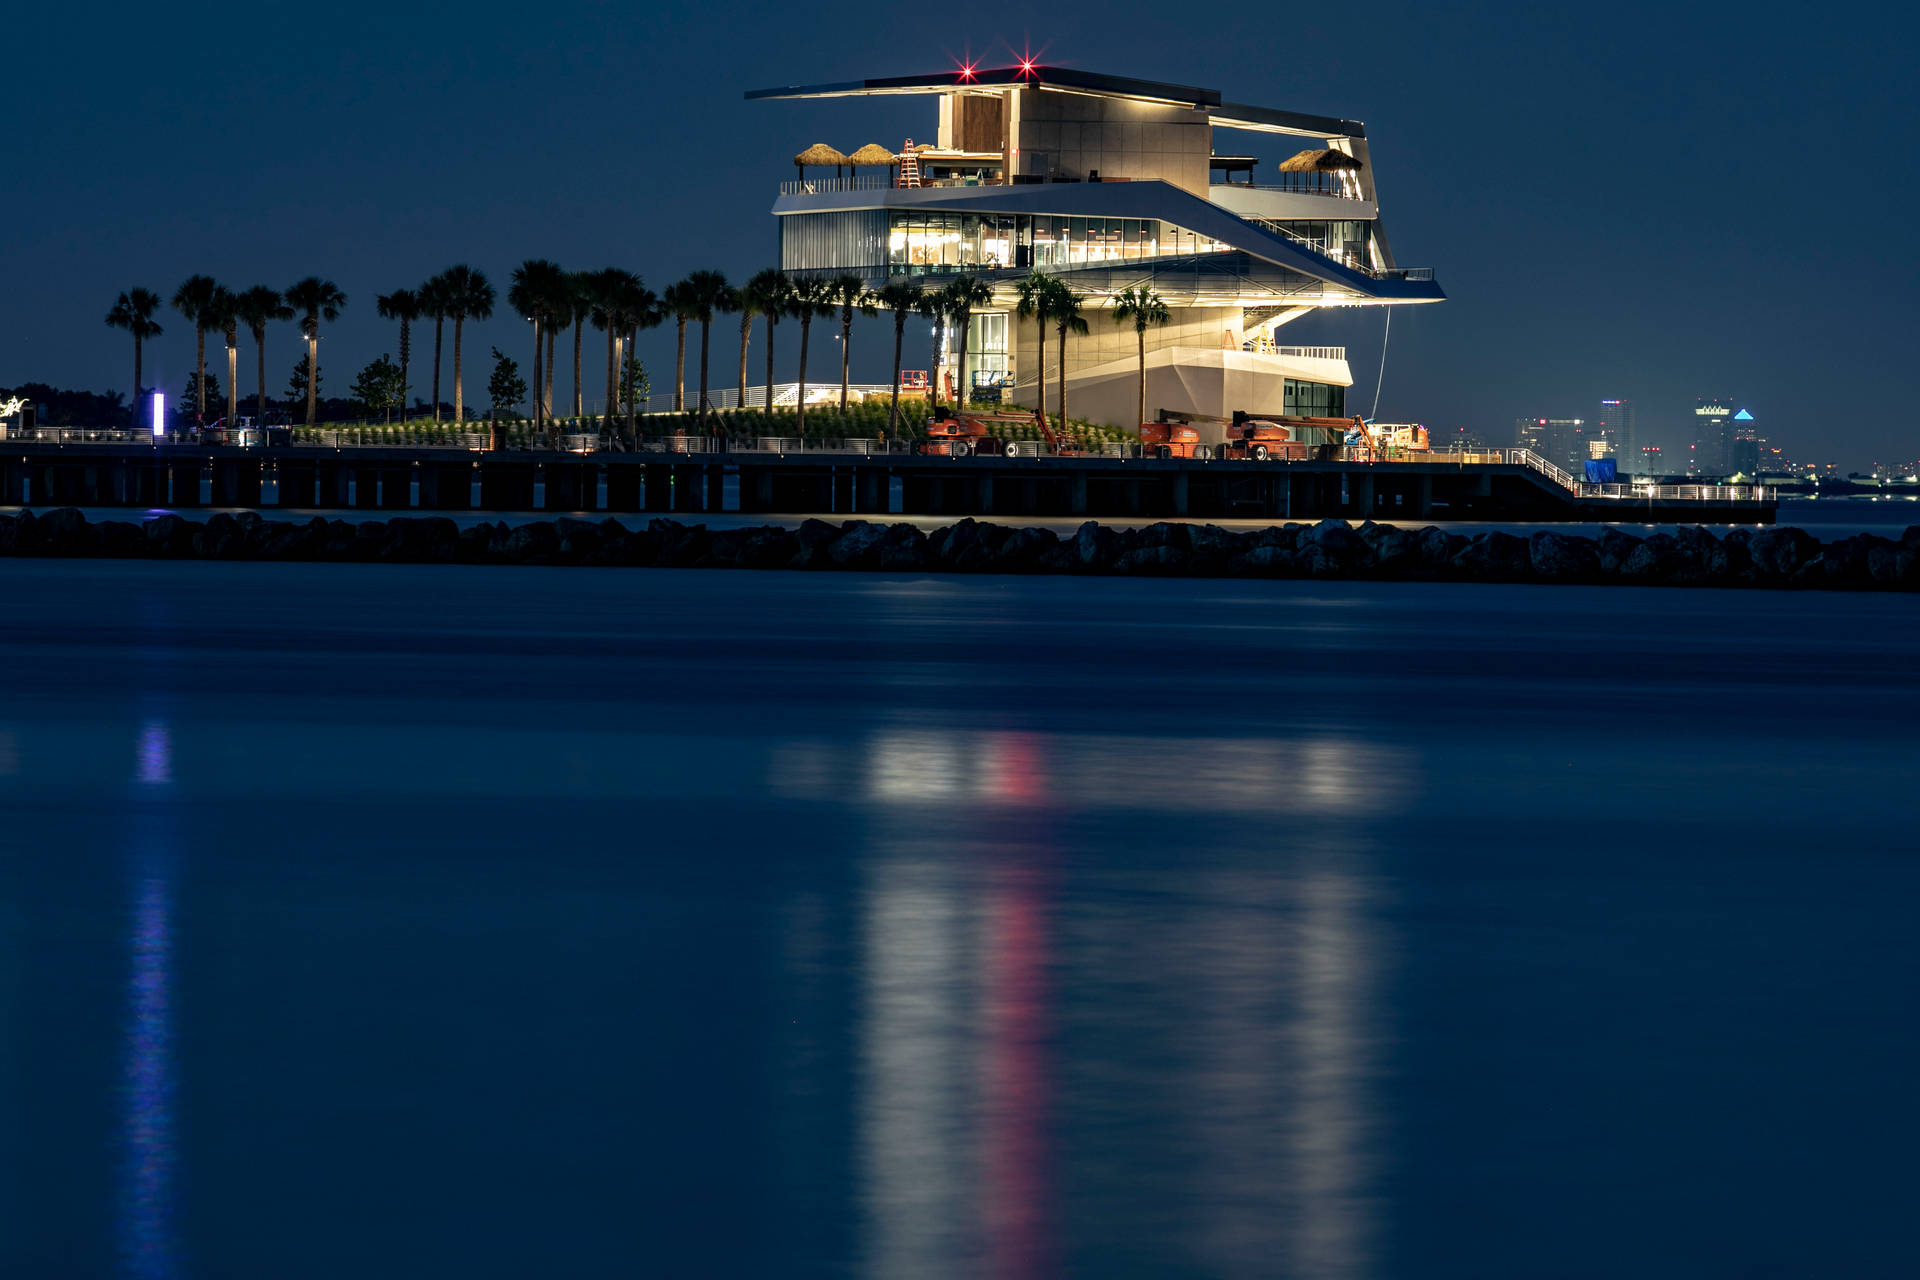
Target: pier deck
pixel 853 484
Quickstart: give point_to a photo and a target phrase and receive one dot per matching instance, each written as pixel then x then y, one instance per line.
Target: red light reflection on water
pixel 1018 1193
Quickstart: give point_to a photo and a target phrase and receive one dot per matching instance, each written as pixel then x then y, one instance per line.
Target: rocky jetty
pixel 1331 549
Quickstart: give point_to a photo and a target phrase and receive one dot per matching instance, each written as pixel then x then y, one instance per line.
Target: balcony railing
pixel 1302 353
pixel 827 186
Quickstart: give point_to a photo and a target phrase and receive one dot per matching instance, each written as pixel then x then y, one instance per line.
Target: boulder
pixel 1658 559
pixel 1331 549
pixel 1848 560
pixel 1438 547
pixel 119 538
pixel 171 536
pixel 814 537
pixel 1284 535
pixel 1494 557
pixel 1213 547
pixel 768 548
pixel 1778 554
pixel 1161 560
pixel 1616 548
pixel 1092 548
pixel 1396 551
pixel 1563 557
pixel 903 549
pixel 1025 549
pixel 966 547
pixel 858 546
pixel 9 529
pixel 64 532
pixel 676 545
pixel 536 542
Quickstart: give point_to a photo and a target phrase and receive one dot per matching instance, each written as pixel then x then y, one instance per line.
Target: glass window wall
pixel 1315 399
pixel 920 243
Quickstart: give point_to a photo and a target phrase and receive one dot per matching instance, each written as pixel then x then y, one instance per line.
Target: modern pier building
pixel 1111 182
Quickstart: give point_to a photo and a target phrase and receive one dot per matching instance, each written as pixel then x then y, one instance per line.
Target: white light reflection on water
pixel 147 1246
pixel 1310 775
pixel 917 1096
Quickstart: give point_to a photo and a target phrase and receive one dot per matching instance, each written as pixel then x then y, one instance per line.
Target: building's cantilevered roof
pixel 1069 80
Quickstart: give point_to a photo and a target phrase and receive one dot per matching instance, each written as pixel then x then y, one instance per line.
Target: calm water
pixel 388 921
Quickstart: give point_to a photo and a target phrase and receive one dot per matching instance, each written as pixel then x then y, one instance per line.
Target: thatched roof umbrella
pixel 872 153
pixel 818 154
pixel 1320 162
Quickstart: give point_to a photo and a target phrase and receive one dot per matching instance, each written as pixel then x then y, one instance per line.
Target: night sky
pixel 1657 202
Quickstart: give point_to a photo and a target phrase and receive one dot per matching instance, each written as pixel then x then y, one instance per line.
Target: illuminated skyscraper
pixel 1712 438
pixel 1615 425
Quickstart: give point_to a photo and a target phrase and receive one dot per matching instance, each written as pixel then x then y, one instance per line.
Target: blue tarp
pixel 1602 471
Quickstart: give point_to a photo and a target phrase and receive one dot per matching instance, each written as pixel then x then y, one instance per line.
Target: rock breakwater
pixel 1331 549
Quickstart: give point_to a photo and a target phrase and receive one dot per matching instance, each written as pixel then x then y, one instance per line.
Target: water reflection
pixel 147 1244
pixel 1323 774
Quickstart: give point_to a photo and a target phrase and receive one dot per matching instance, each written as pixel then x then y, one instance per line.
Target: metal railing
pixel 1528 458
pixel 827 186
pixel 75 435
pixel 1304 353
pixel 1683 492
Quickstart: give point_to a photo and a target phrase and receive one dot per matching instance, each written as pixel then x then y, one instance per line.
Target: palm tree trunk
pixel 459 401
pixel 806 324
pixel 633 407
pixel 136 379
pixel 1141 330
pixel 313 374
pixel 200 375
pixel 613 387
pixel 546 387
pixel 1041 380
pixel 767 408
pixel 233 382
pixel 406 350
pixel 680 369
pixel 933 375
pixel 439 322
pixel 746 336
pixel 893 407
pixel 579 400
pixel 260 347
pixel 846 356
pixel 966 341
pixel 1061 409
pixel 706 327
pixel 535 402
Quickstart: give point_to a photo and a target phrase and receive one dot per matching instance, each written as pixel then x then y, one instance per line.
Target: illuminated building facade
pixel 1110 183
pixel 1615 426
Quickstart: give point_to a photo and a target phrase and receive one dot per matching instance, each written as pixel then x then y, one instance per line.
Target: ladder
pixel 909 165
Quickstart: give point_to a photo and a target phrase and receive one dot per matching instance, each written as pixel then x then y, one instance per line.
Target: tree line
pixel 617 303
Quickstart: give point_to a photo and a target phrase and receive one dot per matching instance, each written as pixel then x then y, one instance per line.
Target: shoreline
pixel 1329 550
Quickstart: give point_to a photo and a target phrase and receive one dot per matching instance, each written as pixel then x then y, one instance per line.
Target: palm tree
pixel 610 295
pixel 962 295
pixel 1144 308
pixel 256 308
pixel 580 306
pixel 935 310
pixel 469 296
pixel 315 300
pixel 708 291
pixel 533 292
pixel 812 296
pixel 221 312
pixel 133 311
pixel 1037 293
pixel 433 302
pixel 681 306
pixel 850 292
pixel 402 305
pixel 1066 319
pixel 738 303
pixel 904 299
pixel 647 312
pixel 192 300
pixel 768 293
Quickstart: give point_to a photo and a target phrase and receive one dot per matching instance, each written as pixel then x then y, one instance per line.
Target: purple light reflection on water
pixel 147 1247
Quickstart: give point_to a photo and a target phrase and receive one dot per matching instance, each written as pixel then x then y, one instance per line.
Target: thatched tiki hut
pixel 819 154
pixel 875 154
pixel 1330 172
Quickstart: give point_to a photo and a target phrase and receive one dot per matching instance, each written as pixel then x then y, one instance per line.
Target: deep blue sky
pixel 1652 201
